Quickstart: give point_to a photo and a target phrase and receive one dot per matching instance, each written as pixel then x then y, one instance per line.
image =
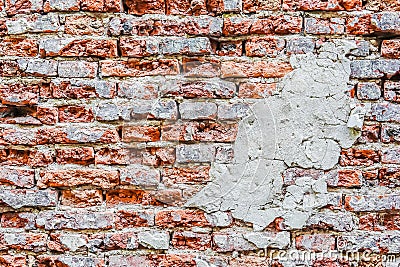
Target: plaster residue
pixel 305 126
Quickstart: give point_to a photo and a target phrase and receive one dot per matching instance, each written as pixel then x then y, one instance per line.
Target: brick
pixel 74 220
pixel 78 155
pixel 264 46
pixel 338 221
pixel 75 114
pixel 230 48
pixel 369 134
pixel 18 47
pixel 226 242
pixel 265 69
pixel 316 242
pixel 138 90
pixel 140 133
pixel 390 48
pixel 253 6
pixel 84 25
pixel 102 5
pixel 18 198
pixel 159 109
pixel 24 220
pixel 390 133
pixel 61 5
pixel 158 156
pixel 38 67
pixel 324 26
pixel 19 94
pixel 277 24
pixel 358 157
pixel 141 176
pixel 256 89
pixel 13 261
pixel 81 198
pixel 33 158
pixel 372 202
pixel 191 240
pixel 300 45
pixel 391 91
pixel 198 110
pixel 131 219
pixel 236 26
pixel 129 197
pixel 137 68
pixel 139 47
pixel 386 22
pixel 122 240
pixel 77 69
pixel 106 112
pixel 67 242
pixel 368 91
pixel 74 135
pixel 77 89
pixel 154 239
pixel 185 46
pixel 346 178
pixel 359 24
pixel 69 178
pixel 185 7
pixel 195 153
pixel 386 112
pixel 389 177
pixel 200 131
pixel 146 7
pixel 47 115
pixel 219 7
pixel 313 5
pixel 185 175
pixel 23 6
pixel 201 67
pixel 374 242
pixel 380 222
pixel 9 68
pixel 111 156
pixel 70 47
pixel 391 156
pixel 70 261
pixel 247 261
pixel 390 5
pixel 180 218
pixel 35 242
pixel 198 89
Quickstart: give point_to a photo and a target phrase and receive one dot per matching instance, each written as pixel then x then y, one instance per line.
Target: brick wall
pixel 113 115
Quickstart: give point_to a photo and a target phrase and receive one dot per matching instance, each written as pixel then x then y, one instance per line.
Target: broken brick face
pixel 198 132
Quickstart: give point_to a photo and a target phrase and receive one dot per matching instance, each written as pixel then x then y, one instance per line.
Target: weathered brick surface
pixel 116 114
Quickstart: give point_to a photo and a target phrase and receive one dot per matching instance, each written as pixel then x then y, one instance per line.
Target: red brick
pixel 135 47
pixel 130 196
pixel 34 158
pixel 181 218
pixel 314 5
pixel 49 5
pixel 230 48
pixel 111 156
pixel 379 222
pixel 324 26
pixel 47 115
pixel 277 24
pixel 359 24
pixel 145 7
pixel 130 219
pixel 253 6
pixel 35 242
pixel 349 178
pixel 358 157
pixel 75 114
pixel 69 178
pixel 124 240
pixel 390 48
pixel 186 7
pixel 387 5
pixel 236 26
pixel 369 134
pixel 10 68
pixel 256 90
pixel 201 67
pixel 391 91
pixel 185 175
pixel 389 177
pixel 316 242
pixel 191 240
pixel 264 46
pixel 18 47
pixel 17 177
pixel 200 131
pixel 66 242
pixel 79 48
pixel 139 67
pixel 22 6
pixel 84 25
pixel 265 69
pixel 69 261
pixel 24 220
pixel 102 5
pixel 19 94
pixel 76 155
pixel 13 261
pixel 140 133
pixel 81 198
pixel 159 156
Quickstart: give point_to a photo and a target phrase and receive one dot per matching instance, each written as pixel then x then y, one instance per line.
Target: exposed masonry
pixel 198 133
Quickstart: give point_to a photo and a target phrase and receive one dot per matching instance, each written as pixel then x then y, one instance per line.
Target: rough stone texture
pixel 199 133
